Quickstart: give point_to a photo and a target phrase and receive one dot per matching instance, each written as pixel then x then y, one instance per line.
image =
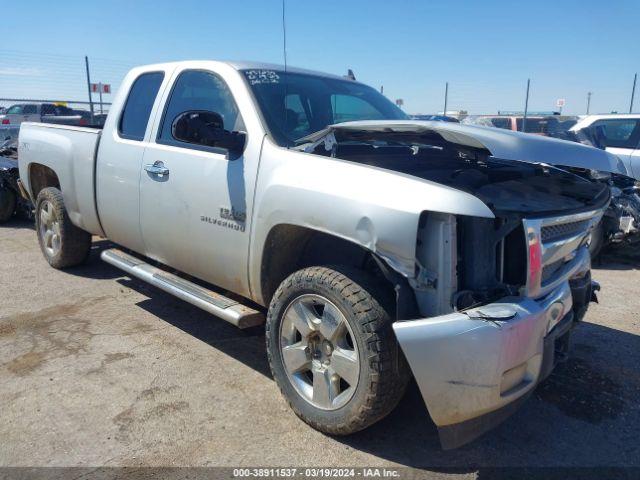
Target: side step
pixel 227 309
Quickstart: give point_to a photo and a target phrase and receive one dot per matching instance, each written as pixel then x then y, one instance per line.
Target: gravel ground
pixel 97 369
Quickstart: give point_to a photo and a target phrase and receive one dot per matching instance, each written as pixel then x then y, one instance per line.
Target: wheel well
pixel 290 248
pixel 41 176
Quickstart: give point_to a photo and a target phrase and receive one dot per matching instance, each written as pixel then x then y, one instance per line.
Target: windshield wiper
pixel 309 142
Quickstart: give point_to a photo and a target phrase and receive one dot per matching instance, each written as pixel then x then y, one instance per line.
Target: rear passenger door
pixel 122 145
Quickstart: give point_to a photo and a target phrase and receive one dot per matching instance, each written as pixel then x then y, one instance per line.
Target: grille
pixel 554 232
pixel 556 249
pixel 550 269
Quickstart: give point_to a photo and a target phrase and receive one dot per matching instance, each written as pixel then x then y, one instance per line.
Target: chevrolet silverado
pixel 373 247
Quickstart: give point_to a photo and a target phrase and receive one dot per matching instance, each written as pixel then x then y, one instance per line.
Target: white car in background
pixel 622 134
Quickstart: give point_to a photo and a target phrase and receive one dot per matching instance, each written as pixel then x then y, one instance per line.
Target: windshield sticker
pixel 257 77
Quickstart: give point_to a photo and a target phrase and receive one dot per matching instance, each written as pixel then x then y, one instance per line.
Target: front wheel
pixel 62 243
pixel 332 350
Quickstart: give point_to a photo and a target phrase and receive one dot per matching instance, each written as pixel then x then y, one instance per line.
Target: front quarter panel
pixel 372 207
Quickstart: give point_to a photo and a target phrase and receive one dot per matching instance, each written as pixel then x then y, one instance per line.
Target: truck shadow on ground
pixel 590 396
pixel 585 413
pixel 626 257
pixel 95 268
pixel 246 346
pixel 19 223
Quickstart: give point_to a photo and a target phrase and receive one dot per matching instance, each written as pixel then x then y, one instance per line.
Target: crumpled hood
pixel 504 144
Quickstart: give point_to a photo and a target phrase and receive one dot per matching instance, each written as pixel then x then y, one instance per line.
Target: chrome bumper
pixel 474 367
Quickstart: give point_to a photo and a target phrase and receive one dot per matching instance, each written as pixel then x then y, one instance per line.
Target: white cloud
pixel 21 71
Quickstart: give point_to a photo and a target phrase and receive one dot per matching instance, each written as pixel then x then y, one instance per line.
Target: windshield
pixel 538 125
pixel 308 103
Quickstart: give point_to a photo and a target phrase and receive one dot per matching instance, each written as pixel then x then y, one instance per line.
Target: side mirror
pixel 202 127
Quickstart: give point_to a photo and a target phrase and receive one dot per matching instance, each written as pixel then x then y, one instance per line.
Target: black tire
pixel 74 243
pixel 368 309
pixel 8 202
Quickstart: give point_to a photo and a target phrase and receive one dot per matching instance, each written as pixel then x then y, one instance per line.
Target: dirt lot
pixel 99 369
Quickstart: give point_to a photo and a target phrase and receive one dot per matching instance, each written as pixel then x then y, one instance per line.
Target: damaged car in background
pixel 12 201
pixel 379 248
pixel 621 222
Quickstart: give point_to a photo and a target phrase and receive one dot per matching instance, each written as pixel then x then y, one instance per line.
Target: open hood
pixel 483 162
pixel 504 144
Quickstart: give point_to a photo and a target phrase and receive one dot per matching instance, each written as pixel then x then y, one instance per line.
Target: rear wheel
pixel 332 350
pixel 62 243
pixel 8 201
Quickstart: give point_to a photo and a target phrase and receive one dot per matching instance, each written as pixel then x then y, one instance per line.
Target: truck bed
pixel 70 151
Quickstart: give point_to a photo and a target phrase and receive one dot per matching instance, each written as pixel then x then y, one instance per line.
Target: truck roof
pixel 247 65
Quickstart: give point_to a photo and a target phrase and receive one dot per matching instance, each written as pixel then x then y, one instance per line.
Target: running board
pixel 227 309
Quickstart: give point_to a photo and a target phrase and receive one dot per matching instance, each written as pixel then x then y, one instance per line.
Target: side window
pixel 135 115
pixel 621 133
pixel 199 90
pixel 48 109
pixel 504 123
pixel 30 109
pixel 15 110
pixel 349 107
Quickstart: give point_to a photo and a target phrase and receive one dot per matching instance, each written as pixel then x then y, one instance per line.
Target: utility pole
pixel 100 90
pixel 633 92
pixel 86 63
pixel 526 106
pixel 446 97
pixel 588 101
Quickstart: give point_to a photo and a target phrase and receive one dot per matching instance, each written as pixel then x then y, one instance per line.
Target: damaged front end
pixel 496 297
pixel 515 287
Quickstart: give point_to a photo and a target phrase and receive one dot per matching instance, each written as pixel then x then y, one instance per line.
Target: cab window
pixel 199 90
pixel 135 115
pixel 621 133
pixel 15 110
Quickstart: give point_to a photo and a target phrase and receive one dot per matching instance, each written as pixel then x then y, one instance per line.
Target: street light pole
pixel 86 63
pixel 100 90
pixel 633 92
pixel 446 97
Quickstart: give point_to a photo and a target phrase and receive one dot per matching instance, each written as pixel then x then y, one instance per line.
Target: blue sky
pixel 486 50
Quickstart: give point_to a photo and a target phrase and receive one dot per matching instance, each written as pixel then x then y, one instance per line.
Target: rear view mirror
pixel 202 127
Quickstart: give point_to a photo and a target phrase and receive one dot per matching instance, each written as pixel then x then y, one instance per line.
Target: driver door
pixel 194 199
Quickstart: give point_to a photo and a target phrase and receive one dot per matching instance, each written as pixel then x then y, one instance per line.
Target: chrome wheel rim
pixel 49 229
pixel 319 352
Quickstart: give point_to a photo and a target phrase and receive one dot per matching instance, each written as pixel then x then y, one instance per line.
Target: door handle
pixel 157 168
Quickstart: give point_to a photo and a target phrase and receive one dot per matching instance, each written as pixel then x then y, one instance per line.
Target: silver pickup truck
pixel 374 247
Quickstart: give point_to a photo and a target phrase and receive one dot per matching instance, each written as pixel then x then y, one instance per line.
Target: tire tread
pixel 371 305
pixel 76 243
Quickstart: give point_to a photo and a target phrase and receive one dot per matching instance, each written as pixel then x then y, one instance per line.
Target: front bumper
pixel 474 368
